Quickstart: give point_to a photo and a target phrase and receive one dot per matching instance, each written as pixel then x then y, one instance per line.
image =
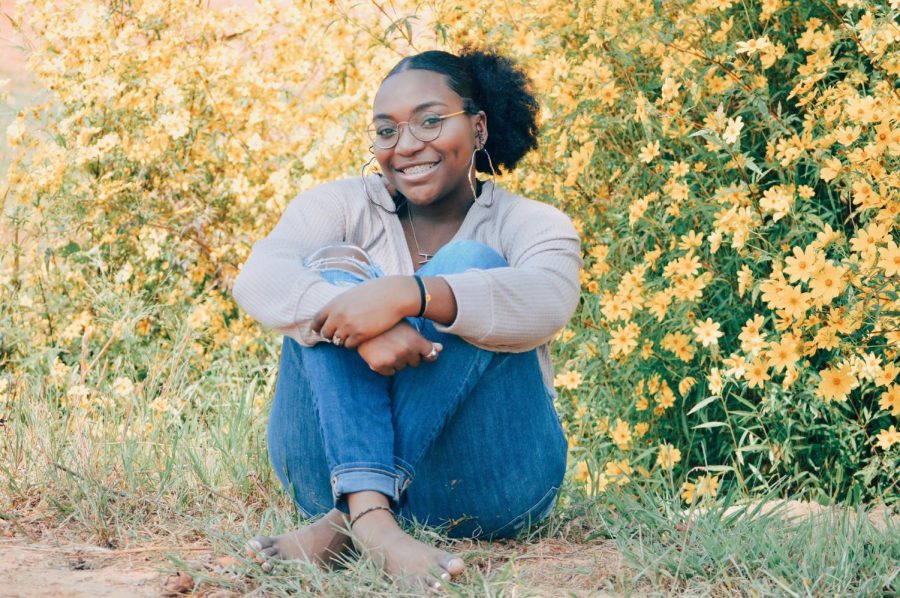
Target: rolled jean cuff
pixel 405 472
pixel 358 477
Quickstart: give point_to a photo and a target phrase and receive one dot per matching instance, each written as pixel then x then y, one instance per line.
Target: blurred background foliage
pixel 732 168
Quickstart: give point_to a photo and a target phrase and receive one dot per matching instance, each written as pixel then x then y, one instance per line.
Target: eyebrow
pixel 418 108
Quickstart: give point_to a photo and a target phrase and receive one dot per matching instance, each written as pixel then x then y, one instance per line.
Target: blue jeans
pixel 470 443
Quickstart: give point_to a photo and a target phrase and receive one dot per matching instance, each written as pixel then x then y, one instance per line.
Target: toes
pixel 454 565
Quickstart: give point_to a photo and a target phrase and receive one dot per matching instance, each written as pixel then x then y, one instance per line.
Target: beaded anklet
pixel 369 510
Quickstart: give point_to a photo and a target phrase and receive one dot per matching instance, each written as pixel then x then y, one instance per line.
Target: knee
pixel 459 256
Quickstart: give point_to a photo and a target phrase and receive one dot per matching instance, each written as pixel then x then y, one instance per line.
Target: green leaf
pixel 702 404
pixel 709 425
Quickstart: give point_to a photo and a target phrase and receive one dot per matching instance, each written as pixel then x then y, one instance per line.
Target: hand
pixel 367 310
pixel 397 348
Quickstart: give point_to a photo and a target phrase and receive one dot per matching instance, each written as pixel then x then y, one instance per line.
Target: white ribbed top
pixel 510 309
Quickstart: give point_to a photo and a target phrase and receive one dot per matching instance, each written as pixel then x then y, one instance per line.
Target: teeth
pixel 418 169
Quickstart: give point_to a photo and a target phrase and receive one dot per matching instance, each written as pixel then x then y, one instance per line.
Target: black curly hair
pixel 489 81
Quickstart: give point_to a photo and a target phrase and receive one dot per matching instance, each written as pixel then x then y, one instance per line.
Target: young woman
pixel 415 381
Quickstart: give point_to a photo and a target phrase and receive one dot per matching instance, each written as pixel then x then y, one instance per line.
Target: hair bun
pixel 503 91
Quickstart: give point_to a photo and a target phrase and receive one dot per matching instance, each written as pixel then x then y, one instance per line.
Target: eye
pixel 386 130
pixel 430 121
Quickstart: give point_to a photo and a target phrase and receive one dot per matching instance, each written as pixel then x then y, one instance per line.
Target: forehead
pixel 400 94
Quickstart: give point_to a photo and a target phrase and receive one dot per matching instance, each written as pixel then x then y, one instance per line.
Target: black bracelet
pixel 424 297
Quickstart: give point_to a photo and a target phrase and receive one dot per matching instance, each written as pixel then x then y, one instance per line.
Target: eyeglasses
pixel 424 127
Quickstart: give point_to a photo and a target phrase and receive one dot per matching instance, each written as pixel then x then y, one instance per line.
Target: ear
pixel 481 131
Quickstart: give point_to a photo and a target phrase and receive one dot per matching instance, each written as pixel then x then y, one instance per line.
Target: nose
pixel 407 143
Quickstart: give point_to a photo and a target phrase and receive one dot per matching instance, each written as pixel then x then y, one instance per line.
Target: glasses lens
pixel 426 127
pixel 384 133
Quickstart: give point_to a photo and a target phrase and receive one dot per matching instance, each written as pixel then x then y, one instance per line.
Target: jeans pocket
pixel 533 515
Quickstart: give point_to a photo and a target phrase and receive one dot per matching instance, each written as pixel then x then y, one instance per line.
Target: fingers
pixel 430 351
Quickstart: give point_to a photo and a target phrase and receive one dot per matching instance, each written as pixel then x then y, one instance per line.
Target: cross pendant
pixel 425 257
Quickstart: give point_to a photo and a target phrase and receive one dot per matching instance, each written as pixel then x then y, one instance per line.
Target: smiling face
pixel 427 172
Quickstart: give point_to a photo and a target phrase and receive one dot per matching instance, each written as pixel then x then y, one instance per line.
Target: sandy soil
pixel 44 570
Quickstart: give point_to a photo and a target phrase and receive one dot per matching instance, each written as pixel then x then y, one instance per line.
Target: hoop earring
pixel 493 176
pixel 493 172
pixel 362 174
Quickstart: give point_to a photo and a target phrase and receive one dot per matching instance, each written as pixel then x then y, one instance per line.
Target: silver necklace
pixel 425 256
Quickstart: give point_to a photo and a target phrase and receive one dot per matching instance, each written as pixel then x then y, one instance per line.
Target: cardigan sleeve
pixel 273 286
pixel 524 305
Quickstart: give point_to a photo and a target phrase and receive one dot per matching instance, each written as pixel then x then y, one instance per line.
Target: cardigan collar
pixel 379 194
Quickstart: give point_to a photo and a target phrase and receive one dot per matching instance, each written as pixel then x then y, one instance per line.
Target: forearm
pixel 441 307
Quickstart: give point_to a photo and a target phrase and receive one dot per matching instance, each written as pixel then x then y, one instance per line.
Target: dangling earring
pixel 362 174
pixel 493 172
pixel 471 184
pixel 481 148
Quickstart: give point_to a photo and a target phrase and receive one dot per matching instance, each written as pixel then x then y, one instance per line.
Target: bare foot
pixel 403 557
pixel 322 542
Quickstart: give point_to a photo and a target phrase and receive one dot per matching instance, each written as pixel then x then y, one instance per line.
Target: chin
pixel 419 195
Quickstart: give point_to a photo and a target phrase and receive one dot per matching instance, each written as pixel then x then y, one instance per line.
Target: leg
pixel 331 422
pixel 469 425
pixel 297 453
pixel 295 441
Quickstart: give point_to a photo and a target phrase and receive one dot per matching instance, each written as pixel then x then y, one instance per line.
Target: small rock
pixel 180 583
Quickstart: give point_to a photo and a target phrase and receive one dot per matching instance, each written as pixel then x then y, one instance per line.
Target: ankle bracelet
pixel 369 510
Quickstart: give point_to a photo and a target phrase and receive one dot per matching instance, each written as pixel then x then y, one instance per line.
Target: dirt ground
pixel 47 570
pixel 53 570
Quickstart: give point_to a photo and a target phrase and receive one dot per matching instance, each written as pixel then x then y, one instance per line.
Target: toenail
pixel 445 576
pixel 436 585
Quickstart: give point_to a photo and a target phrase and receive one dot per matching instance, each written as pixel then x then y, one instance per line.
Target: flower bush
pixel 732 168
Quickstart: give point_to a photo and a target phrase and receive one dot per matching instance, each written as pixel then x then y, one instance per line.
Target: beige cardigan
pixel 511 309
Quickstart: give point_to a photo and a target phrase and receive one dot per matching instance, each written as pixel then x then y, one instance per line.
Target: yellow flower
pixel 569 379
pixel 708 486
pixel 686 384
pixel 793 302
pixel 624 339
pixel 621 434
pixel 890 399
pixel 887 438
pixel 679 344
pixel 836 383
pixel 714 381
pixel 803 264
pixel 757 373
pixel 708 332
pixel 889 259
pixel 827 283
pixel 649 152
pixel 640 429
pixel 784 353
pixel 665 398
pixel 688 492
pixel 619 471
pixel 670 89
pixel 752 46
pixel 733 130
pixel 745 279
pixel 668 456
